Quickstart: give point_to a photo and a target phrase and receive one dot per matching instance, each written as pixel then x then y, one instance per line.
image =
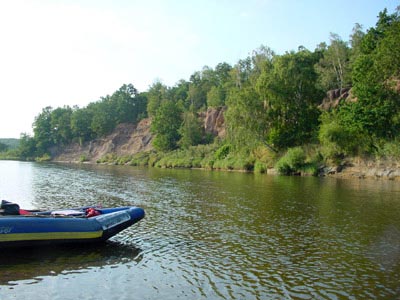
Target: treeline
pixel 8 144
pixel 272 105
pixel 63 125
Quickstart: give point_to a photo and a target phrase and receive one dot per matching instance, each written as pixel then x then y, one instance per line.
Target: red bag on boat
pixel 92 212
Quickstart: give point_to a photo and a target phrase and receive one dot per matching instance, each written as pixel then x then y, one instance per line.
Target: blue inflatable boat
pixel 87 224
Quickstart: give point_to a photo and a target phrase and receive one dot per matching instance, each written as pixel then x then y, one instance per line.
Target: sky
pixel 70 52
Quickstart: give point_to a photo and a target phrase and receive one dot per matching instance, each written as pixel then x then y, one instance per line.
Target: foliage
pixel 375 76
pixel 245 118
pixel 333 67
pixel 155 95
pixel 81 120
pixel 287 87
pixel 338 140
pixel 193 157
pixel 190 131
pixel 165 126
pixel 9 144
pixel 223 151
pixel 44 157
pixel 3 147
pixel 83 158
pixel 264 155
pixel 260 167
pixel 292 162
pixel 272 104
pixel 60 126
pixel 389 150
pixel 27 147
pixel 235 161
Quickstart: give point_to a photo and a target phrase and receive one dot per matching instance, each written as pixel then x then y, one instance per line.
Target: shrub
pixel 44 157
pixel 223 151
pixel 265 155
pixel 260 167
pixel 338 141
pixel 389 150
pixel 83 158
pixel 292 162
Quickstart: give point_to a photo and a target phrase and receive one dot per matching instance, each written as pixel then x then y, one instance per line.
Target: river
pixel 209 235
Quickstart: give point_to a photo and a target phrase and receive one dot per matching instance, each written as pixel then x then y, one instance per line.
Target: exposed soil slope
pixel 126 139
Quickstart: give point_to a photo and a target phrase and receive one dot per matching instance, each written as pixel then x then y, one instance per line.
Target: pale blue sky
pixel 71 52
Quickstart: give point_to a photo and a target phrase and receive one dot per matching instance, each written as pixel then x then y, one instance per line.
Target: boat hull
pixel 45 229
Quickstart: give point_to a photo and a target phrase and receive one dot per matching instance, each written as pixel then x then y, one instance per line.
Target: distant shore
pixel 355 169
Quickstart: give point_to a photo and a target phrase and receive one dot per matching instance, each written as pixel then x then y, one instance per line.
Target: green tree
pixel 60 121
pixel 222 81
pixel 27 147
pixel 375 78
pixel 356 38
pixel 165 126
pixel 3 147
pixel 288 89
pixel 179 93
pixel 216 97
pixel 81 121
pixel 128 105
pixel 104 117
pixel 190 131
pixel 42 130
pixel 334 67
pixel 156 94
pixel 245 118
pixel 198 88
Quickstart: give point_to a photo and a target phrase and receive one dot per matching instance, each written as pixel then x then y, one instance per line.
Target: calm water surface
pixel 210 235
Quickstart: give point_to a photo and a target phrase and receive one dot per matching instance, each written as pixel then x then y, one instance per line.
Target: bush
pixel 44 157
pixel 389 150
pixel 338 141
pixel 260 167
pixel 264 155
pixel 108 158
pixel 83 158
pixel 292 162
pixel 223 151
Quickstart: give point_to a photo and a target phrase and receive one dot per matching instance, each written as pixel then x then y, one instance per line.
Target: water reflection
pixel 31 265
pixel 218 235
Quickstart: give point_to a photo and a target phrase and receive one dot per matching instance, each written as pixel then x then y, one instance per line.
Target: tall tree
pixel 104 117
pixel 375 76
pixel 334 67
pixel 27 146
pixel 81 121
pixel 3 147
pixel 245 118
pixel 156 94
pixel 190 131
pixel 61 125
pixel 43 131
pixel 290 96
pixel 165 126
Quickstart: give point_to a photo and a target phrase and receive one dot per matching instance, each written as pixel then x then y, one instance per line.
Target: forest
pixel 272 108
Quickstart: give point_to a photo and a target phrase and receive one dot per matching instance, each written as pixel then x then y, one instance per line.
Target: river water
pixel 209 235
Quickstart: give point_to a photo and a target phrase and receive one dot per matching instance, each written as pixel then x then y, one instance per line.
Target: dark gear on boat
pixel 9 208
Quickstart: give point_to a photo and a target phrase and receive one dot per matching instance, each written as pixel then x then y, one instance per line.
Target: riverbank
pixel 365 169
pixel 131 144
pixel 352 169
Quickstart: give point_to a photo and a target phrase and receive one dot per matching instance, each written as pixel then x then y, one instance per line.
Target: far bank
pixel 131 144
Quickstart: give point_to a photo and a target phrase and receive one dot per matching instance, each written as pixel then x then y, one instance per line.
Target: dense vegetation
pixel 272 108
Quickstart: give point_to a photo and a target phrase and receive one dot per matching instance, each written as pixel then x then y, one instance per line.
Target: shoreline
pixel 351 170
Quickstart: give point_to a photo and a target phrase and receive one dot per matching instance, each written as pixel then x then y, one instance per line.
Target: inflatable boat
pixel 79 225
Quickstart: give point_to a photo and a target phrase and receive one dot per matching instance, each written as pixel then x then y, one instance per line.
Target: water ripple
pixel 211 235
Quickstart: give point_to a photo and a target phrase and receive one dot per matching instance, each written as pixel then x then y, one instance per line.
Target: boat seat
pixel 68 212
